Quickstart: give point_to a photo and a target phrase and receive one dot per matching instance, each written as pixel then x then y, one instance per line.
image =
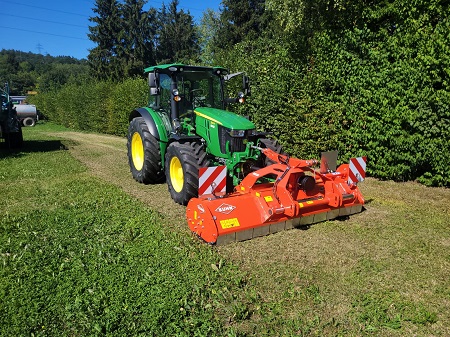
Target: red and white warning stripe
pixel 212 177
pixel 357 170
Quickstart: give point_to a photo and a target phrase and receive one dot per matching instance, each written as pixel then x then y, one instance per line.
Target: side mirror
pixel 246 85
pixel 153 83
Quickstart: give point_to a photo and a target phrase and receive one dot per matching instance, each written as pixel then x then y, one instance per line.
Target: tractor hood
pixel 225 118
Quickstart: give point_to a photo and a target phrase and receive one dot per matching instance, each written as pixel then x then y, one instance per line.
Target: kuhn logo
pixel 225 208
pixel 200 208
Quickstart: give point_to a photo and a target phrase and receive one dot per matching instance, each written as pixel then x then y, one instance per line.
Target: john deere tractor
pixel 186 126
pixel 10 127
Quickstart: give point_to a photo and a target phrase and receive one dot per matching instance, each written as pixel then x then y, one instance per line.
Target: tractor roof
pixel 185 68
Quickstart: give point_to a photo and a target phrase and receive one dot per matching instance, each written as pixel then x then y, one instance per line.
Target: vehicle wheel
pixel 14 140
pixel 144 154
pixel 270 144
pixel 29 122
pixel 183 161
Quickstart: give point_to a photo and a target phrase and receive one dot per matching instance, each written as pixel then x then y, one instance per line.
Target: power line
pixel 40 20
pixel 44 33
pixel 44 8
pixel 86 16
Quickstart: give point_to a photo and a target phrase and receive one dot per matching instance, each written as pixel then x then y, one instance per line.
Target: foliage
pixel 177 39
pixel 389 75
pixel 105 34
pixel 136 49
pixel 207 31
pixel 128 38
pixel 366 80
pixel 240 21
pixel 28 71
pixel 101 106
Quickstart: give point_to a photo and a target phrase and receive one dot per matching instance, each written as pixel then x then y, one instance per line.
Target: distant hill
pixel 26 71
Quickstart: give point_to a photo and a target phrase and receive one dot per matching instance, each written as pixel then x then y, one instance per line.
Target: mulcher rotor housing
pixel 284 195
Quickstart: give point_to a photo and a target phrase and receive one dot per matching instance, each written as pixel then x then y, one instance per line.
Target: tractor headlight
pixel 176 95
pixel 237 133
pixel 241 97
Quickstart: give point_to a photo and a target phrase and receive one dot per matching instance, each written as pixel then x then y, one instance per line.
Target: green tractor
pixel 186 127
pixel 10 126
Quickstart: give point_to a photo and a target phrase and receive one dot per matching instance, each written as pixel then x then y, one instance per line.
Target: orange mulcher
pixel 290 193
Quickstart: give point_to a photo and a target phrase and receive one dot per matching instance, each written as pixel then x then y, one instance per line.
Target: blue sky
pixel 60 28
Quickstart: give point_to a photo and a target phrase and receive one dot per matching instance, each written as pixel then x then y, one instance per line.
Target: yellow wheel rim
pixel 137 151
pixel 176 174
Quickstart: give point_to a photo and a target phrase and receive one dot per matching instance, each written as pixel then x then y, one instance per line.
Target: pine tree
pixel 103 59
pixel 240 20
pixel 137 39
pixel 177 36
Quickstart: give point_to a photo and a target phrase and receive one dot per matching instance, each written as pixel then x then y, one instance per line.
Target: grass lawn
pixel 79 257
pixel 86 251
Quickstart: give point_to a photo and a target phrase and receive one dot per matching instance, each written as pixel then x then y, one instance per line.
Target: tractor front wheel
pixel 182 164
pixel 144 154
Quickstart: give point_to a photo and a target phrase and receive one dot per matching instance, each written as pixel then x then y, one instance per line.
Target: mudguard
pixel 158 124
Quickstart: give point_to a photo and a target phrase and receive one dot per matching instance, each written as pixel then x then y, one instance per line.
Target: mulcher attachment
pixel 287 194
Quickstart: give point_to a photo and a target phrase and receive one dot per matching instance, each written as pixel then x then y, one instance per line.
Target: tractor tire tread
pixel 272 144
pixel 192 156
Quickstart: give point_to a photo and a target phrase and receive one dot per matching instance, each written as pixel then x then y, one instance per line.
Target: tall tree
pixel 103 59
pixel 208 28
pixel 239 20
pixel 137 39
pixel 177 36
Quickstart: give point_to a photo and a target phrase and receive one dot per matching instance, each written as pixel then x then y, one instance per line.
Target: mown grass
pixel 384 272
pixel 79 257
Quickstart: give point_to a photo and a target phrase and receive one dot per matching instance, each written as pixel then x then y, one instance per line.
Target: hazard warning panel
pixel 357 170
pixel 212 180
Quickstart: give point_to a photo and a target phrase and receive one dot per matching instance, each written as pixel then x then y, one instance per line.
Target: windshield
pixel 200 89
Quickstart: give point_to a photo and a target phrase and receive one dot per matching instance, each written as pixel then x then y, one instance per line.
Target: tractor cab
pixel 179 90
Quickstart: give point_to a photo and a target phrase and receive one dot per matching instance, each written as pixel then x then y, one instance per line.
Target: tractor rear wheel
pixel 182 163
pixel 14 140
pixel 144 154
pixel 272 144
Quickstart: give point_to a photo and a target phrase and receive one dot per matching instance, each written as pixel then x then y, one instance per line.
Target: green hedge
pixel 95 106
pixel 382 93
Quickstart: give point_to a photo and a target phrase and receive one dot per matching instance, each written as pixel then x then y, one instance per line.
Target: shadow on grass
pixel 31 146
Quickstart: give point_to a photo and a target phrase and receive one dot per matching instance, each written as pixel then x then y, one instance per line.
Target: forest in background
pixel 361 77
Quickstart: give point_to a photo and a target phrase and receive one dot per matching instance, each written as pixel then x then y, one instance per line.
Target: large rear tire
pixel 144 154
pixel 14 140
pixel 182 164
pixel 270 144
